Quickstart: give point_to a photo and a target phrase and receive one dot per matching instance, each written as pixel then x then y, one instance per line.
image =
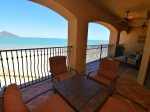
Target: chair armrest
pixel 116 78
pixel 2 92
pixel 1 98
pixel 72 69
pixel 131 100
pixel 88 75
pixel 39 95
pixel 51 74
pixel 113 82
pixel 77 73
pixel 1 105
pixel 130 58
pixel 55 79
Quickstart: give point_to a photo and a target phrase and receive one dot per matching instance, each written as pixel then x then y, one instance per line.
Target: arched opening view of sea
pixel 26 42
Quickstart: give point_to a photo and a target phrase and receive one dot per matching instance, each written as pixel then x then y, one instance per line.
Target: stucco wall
pixel 130 40
pixel 79 13
pixel 145 59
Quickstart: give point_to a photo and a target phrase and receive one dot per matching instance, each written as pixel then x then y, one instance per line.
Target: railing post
pixel 2 64
pixel 1 105
pixel 101 48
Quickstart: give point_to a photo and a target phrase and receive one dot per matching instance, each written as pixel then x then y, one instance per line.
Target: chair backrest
pixel 12 100
pixel 108 68
pixel 58 65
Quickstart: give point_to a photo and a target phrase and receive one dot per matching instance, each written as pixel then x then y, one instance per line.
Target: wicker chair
pixel 13 102
pixel 116 105
pixel 107 72
pixel 59 70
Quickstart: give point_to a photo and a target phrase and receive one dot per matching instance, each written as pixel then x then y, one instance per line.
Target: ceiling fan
pixel 129 18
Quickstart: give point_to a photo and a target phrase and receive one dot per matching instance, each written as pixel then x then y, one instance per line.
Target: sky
pixel 29 19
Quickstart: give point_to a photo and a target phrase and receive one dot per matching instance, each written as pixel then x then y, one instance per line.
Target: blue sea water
pixel 26 42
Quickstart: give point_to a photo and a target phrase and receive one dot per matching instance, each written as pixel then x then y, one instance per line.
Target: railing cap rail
pixel 35 48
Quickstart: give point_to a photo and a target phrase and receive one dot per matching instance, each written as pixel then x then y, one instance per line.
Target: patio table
pixel 82 94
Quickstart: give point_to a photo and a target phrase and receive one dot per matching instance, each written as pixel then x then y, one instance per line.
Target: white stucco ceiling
pixel 138 9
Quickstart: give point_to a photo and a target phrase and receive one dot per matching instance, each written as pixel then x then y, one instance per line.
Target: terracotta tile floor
pixel 126 85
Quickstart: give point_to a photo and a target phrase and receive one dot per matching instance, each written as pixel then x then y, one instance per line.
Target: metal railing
pixel 26 67
pixel 96 52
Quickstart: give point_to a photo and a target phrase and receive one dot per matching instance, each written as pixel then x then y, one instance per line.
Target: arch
pixel 112 39
pixel 97 34
pixel 97 26
pixel 72 26
pixel 109 26
pixel 56 7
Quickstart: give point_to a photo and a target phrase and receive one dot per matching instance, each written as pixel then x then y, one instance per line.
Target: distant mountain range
pixel 7 34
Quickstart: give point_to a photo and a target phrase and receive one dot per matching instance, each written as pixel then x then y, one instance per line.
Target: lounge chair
pixel 107 72
pixel 58 68
pixel 134 59
pixel 115 105
pixel 13 102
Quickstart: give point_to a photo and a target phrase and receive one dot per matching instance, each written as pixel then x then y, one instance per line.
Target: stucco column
pixel 112 40
pixel 118 38
pixel 77 38
pixel 145 59
pixel 117 43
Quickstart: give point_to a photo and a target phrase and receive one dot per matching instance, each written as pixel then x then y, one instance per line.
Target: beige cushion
pixel 12 100
pixel 53 104
pixel 65 75
pixel 58 64
pixel 114 105
pixel 101 79
pixel 108 68
pixel 58 69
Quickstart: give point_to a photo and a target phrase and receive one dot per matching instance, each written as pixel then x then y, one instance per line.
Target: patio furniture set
pixel 74 92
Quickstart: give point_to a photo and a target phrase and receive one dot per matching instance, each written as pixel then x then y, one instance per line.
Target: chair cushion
pixel 12 100
pixel 114 105
pixel 58 69
pixel 101 79
pixel 131 61
pixel 108 68
pixel 54 104
pixel 65 75
pixel 58 64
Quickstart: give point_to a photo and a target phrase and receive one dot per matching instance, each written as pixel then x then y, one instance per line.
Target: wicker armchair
pixel 13 102
pixel 59 70
pixel 107 72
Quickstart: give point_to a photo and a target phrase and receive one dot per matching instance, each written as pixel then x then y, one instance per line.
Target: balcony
pixel 126 85
pixel 29 68
pixel 26 67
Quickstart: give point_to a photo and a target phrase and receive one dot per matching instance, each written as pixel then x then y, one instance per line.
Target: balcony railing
pixel 96 52
pixel 26 67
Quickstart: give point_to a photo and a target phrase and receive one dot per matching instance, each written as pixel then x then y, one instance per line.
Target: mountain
pixel 7 34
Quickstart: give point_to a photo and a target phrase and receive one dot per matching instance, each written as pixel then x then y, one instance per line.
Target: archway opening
pixel 98 39
pixel 27 58
pixel 36 25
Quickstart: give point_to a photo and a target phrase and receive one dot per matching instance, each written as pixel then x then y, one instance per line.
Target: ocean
pixel 34 42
